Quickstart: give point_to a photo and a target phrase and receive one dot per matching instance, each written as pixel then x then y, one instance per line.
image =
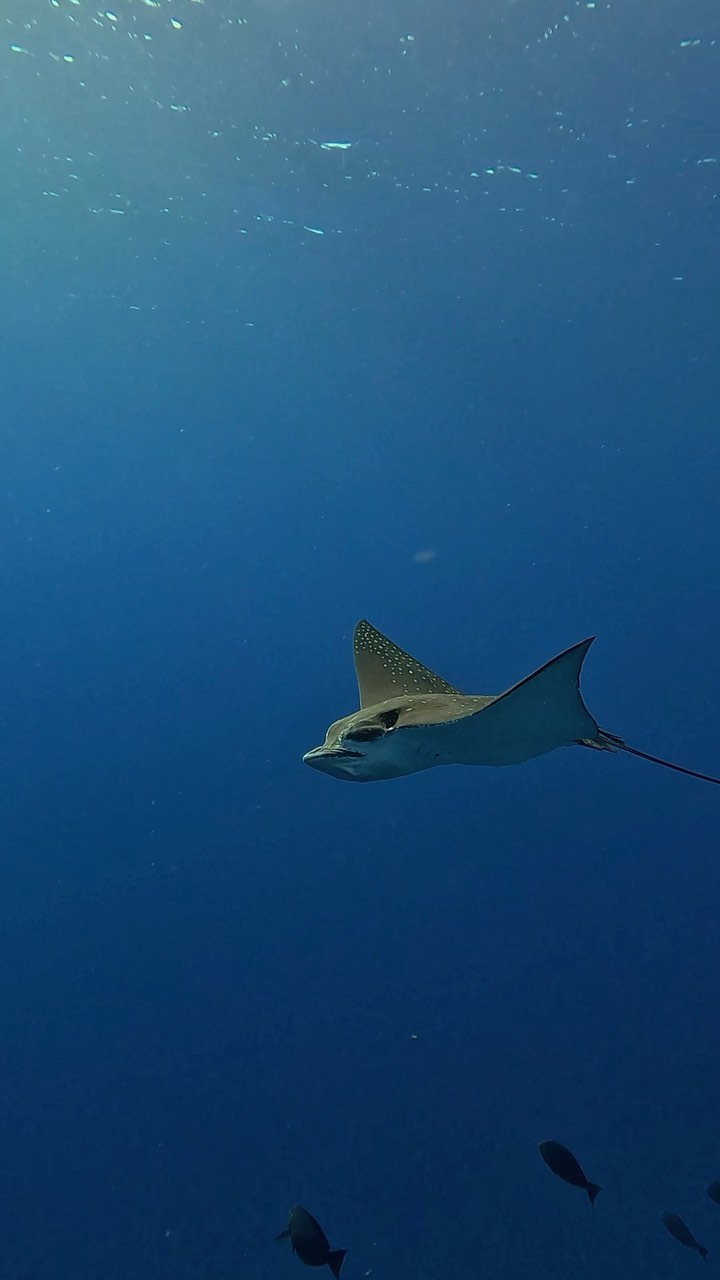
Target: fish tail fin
pixel 593 1191
pixel 610 742
pixel 335 1260
pixel 703 1252
pixel 284 1235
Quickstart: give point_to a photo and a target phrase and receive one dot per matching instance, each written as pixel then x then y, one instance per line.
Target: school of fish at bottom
pixel 310 1244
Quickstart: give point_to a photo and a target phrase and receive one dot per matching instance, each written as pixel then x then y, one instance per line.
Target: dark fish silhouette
pixel 563 1163
pixel 678 1229
pixel 310 1243
pixel 714 1192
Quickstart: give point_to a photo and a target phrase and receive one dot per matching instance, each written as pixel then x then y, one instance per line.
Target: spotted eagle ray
pixel 412 719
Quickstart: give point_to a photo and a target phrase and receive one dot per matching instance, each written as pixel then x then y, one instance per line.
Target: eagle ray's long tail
pixel 610 742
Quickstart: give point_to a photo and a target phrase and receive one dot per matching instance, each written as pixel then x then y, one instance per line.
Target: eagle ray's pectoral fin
pixel 542 712
pixel 384 670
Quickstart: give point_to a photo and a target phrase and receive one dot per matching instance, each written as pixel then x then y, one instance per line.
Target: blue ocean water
pixel 458 375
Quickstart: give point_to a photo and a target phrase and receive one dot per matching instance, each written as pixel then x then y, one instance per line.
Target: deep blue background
pixel 230 983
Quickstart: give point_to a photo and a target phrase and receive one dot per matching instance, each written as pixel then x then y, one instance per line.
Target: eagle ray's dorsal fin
pixel 384 671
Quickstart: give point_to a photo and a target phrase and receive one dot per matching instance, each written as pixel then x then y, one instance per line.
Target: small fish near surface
pixel 563 1163
pixel 309 1242
pixel 412 719
pixel 681 1232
